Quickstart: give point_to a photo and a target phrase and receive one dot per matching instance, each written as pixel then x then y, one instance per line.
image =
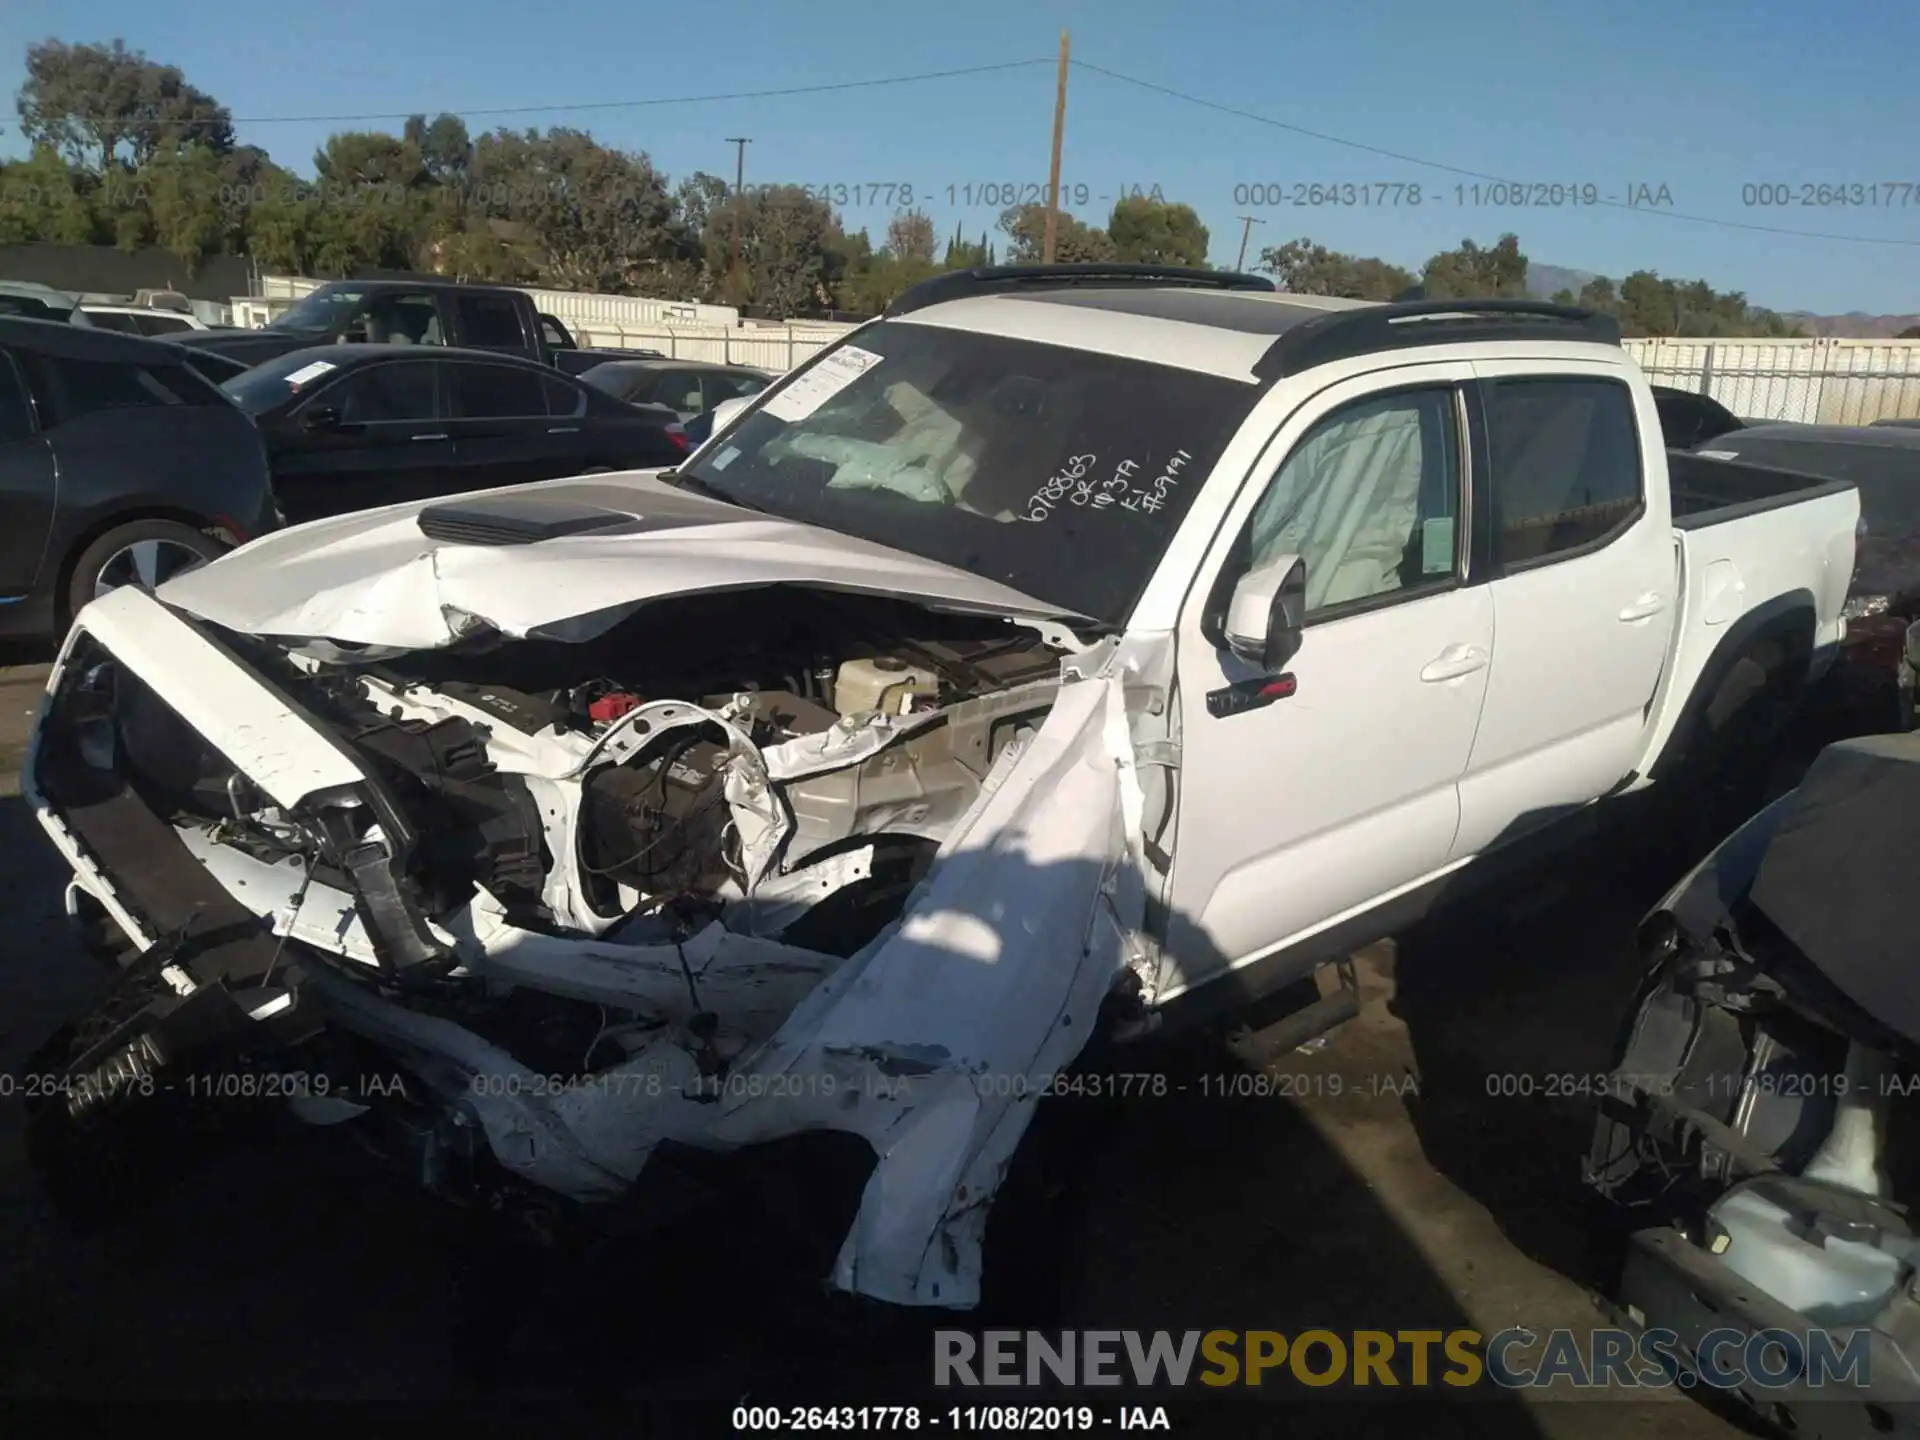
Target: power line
pixel 1406 159
pixel 657 100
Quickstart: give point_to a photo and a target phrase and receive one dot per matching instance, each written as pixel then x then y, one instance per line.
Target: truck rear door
pixel 1575 529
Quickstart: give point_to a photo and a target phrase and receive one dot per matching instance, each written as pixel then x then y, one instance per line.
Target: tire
pixel 165 548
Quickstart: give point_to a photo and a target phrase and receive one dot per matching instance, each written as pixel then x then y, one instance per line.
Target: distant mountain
pixel 1543 281
pixel 1855 324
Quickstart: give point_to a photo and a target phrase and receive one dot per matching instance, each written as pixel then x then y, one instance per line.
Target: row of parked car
pixel 125 458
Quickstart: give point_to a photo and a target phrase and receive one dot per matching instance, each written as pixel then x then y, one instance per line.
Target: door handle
pixel 1647 605
pixel 441 436
pixel 1453 662
pixel 563 429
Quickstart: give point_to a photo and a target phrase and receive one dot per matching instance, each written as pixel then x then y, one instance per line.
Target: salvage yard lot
pixel 1412 1198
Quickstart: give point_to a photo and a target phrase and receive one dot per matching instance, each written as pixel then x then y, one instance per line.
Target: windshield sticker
pixel 726 457
pixel 309 372
pixel 812 389
pixel 1083 483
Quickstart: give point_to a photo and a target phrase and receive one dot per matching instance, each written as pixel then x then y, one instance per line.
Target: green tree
pixel 1155 232
pixel 43 199
pixel 792 248
pixel 184 198
pixel 596 218
pixel 910 238
pixel 1476 273
pixel 102 105
pixel 1304 268
pixel 1075 242
pixel 1563 296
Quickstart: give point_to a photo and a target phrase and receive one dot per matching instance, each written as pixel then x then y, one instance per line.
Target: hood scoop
pixel 519 520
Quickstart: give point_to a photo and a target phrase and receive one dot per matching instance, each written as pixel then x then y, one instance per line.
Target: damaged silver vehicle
pixel 1756 1157
pixel 1064 652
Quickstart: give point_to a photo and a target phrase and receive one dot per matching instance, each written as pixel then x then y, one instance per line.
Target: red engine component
pixel 609 708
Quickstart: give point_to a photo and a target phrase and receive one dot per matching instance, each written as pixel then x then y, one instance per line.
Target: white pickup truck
pixel 1059 650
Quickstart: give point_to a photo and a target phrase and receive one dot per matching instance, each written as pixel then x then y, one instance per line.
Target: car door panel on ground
pixel 1346 791
pixel 390 443
pixel 28 485
pixel 1584 577
pixel 504 423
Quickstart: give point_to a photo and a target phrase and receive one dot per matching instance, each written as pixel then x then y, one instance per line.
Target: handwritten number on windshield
pixel 1058 485
pixel 1075 483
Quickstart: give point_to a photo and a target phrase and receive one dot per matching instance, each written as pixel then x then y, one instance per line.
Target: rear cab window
pixel 1565 466
pixel 490 322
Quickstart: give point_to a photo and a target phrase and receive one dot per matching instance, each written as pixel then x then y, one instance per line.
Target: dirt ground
pixel 1412 1198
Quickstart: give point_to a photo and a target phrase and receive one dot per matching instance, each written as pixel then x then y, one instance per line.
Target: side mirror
pixel 724 412
pixel 321 417
pixel 1268 613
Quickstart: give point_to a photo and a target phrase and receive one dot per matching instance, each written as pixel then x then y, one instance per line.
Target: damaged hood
pixel 562 560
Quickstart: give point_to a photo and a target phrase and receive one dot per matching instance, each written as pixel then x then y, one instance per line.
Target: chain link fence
pixel 1817 382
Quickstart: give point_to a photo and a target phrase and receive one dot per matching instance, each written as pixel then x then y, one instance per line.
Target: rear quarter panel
pixel 1732 568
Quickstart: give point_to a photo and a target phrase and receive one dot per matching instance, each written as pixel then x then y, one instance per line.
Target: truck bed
pixel 1707 491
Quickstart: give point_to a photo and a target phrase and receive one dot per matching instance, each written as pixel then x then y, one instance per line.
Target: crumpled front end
pixel 886 896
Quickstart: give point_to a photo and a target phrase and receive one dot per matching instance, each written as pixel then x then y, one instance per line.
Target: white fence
pixel 682 329
pixel 1823 382
pixel 770 347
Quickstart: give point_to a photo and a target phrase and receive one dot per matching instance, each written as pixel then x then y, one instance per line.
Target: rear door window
pixel 1565 461
pixel 564 401
pixel 495 392
pixel 489 322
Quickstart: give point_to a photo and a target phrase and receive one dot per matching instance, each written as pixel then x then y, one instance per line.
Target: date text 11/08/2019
pixel 1474 195
pixel 960 1419
pixel 962 194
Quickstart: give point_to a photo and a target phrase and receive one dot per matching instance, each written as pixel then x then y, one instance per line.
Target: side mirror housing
pixel 1268 613
pixel 726 410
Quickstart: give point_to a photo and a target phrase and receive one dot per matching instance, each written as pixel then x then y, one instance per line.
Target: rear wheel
pixel 141 552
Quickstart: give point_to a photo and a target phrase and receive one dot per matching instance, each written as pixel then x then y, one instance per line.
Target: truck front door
pixel 1317 806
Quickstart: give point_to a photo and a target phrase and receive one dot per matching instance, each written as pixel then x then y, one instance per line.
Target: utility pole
pixel 1053 174
pixel 739 143
pixel 1246 229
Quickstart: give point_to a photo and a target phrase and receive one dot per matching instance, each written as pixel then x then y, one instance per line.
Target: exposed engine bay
pixel 1758 1145
pixel 600 895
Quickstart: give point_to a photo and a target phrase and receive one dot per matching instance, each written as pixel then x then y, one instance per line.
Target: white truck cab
pixel 1062 649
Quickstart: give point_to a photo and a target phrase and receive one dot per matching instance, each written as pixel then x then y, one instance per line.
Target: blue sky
pixel 1704 99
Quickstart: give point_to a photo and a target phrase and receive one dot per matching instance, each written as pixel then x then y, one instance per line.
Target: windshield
pixel 258 390
pixel 1062 473
pixel 318 311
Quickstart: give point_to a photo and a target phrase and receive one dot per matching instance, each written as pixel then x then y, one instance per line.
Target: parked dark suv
pixel 354 426
pixel 119 464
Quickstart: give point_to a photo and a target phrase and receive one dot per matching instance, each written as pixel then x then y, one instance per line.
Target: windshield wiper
pixel 699 486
